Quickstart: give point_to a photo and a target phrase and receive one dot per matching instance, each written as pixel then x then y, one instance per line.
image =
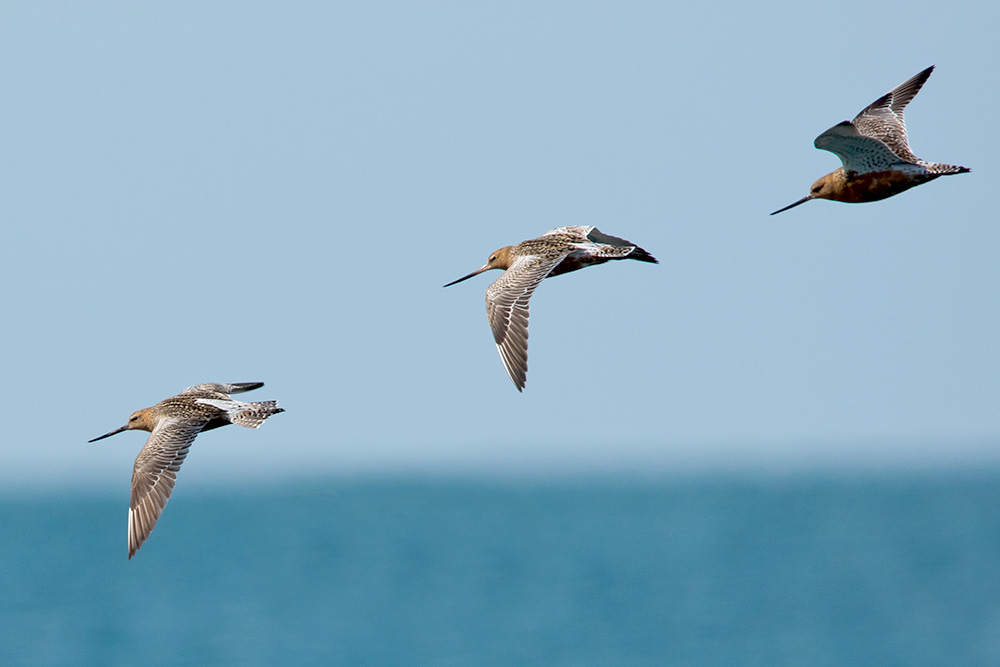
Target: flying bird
pixel 878 162
pixel 525 264
pixel 173 424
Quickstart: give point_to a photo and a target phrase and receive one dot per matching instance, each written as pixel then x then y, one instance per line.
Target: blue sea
pixel 703 569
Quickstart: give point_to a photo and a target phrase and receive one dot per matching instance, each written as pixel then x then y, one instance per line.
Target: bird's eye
pixel 493 258
pixel 816 189
pixel 133 418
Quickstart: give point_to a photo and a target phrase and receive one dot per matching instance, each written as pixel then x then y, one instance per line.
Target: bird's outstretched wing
pixel 860 154
pixel 507 309
pixel 883 118
pixel 154 474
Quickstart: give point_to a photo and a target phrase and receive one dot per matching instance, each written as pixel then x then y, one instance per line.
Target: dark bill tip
pixel 110 433
pixel 801 201
pixel 474 273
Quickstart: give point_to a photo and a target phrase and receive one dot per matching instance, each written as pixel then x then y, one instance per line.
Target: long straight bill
pixel 474 273
pixel 801 201
pixel 110 433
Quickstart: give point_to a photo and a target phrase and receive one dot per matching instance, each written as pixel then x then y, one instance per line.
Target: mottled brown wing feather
pixel 507 309
pixel 154 474
pixel 860 154
pixel 883 118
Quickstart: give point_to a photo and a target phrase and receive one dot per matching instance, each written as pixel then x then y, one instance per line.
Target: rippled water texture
pixel 810 570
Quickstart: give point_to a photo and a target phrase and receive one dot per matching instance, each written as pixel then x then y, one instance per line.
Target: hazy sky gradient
pixel 200 192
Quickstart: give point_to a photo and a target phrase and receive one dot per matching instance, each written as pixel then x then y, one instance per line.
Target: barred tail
pixel 945 169
pixel 252 415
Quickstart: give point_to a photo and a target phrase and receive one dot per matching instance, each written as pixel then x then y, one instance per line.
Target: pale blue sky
pixel 242 191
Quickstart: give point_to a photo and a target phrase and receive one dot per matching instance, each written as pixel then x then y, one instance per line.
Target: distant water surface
pixel 703 570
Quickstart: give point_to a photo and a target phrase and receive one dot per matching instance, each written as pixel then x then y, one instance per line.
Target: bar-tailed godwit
pixel 878 162
pixel 173 424
pixel 556 252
